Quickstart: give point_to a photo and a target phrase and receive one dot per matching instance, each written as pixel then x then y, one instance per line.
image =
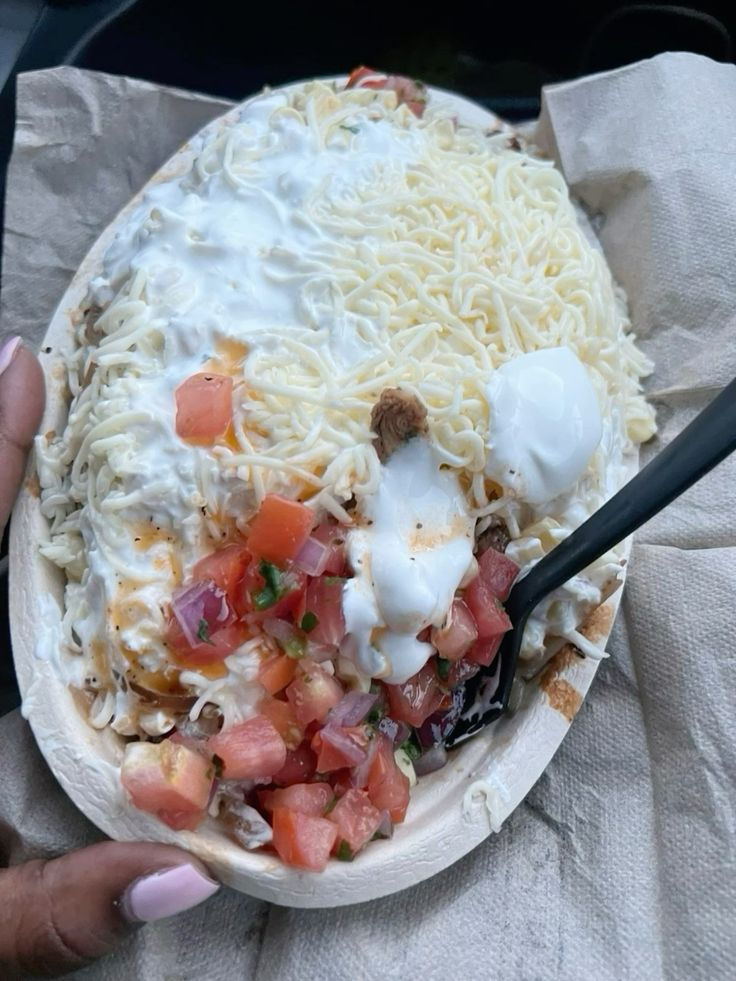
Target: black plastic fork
pixel 705 442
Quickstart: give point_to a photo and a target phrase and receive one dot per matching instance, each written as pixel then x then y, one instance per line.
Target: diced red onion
pixel 281 631
pixel 389 728
pixel 434 759
pixel 386 828
pixel 344 742
pixel 359 776
pixel 403 734
pixel 200 601
pixel 312 557
pixel 351 709
pixel 320 652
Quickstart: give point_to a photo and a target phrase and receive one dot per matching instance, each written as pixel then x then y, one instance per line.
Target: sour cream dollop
pixel 545 424
pixel 410 553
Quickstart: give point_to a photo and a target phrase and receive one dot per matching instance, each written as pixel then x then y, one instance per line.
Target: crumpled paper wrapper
pixel 621 863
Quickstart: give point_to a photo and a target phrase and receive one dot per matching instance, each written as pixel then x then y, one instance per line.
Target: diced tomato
pixel 306 798
pixel 276 672
pixel 334 536
pixel 303 840
pixel 341 746
pixel 300 765
pixel 182 820
pixel 359 74
pixel 226 568
pixel 407 90
pixel 458 634
pixel 169 780
pixel 462 670
pixel 324 600
pixel 204 407
pixel 221 644
pixel 249 750
pixel 488 613
pixel 279 529
pixel 313 692
pixel 388 787
pixel 417 698
pixel 356 818
pixel 498 572
pixel 483 651
pixel 283 718
pixel 341 781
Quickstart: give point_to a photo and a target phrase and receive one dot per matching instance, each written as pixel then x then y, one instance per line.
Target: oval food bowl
pixel 444 820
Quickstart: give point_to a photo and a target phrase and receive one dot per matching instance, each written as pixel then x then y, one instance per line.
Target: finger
pixel 56 916
pixel 21 407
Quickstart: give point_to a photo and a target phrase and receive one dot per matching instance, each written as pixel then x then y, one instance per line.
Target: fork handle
pixel 707 440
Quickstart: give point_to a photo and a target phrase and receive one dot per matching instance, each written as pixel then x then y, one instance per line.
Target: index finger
pixel 22 397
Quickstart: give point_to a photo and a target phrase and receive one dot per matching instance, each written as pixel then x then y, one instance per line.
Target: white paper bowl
pixel 438 829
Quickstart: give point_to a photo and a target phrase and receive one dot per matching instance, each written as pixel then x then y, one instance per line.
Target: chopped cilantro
pixel 343 852
pixel 374 716
pixel 334 580
pixel 274 588
pixel 203 632
pixel 411 750
pixel 331 805
pixel 309 621
pixel 350 129
pixel 443 668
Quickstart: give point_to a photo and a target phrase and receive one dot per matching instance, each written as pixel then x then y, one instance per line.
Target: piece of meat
pixel 495 536
pixel 396 417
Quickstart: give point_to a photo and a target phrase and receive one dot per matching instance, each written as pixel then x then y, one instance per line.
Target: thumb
pixel 58 915
pixel 21 406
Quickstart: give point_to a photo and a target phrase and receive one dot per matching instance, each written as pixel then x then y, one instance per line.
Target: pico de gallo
pixel 321 768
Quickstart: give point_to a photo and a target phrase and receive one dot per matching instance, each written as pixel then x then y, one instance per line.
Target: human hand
pixel 56 916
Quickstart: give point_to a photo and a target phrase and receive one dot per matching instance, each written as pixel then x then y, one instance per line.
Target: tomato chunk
pixel 306 798
pixel 488 613
pixel 249 750
pixel 459 633
pixel 483 651
pixel 498 572
pixel 300 765
pixel 356 818
pixel 276 672
pixel 324 600
pixel 283 718
pixel 388 787
pixel 280 528
pixel 303 840
pixel 407 90
pixel 334 536
pixel 313 692
pixel 417 698
pixel 204 407
pixel 169 780
pixel 226 568
pixel 341 746
pixel 221 644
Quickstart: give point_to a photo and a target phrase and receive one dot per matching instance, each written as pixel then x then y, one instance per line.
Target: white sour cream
pixel 409 557
pixel 545 424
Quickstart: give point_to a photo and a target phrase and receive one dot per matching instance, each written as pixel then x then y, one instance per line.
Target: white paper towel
pixel 621 863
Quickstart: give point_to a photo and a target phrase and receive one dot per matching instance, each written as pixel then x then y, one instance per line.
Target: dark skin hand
pixel 56 916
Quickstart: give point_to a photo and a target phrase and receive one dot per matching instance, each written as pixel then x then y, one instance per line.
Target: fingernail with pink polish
pixel 8 351
pixel 166 893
